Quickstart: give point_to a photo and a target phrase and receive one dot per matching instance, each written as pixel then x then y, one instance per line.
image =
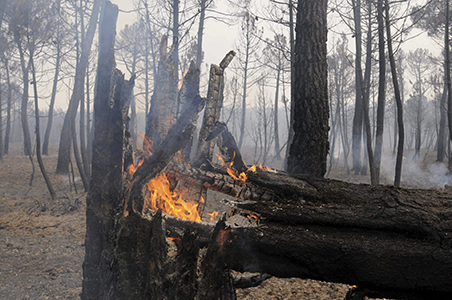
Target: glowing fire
pixel 181 82
pixel 161 197
pixel 241 177
pixel 213 215
pixel 174 239
pixel 133 168
pixel 252 168
pixel 268 169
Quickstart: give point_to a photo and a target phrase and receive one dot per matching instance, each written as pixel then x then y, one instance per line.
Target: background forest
pixel 48 52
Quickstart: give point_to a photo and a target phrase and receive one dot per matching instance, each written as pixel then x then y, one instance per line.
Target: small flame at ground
pixel 241 177
pixel 213 215
pixel 161 197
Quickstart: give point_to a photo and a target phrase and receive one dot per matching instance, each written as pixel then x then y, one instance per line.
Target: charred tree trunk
pixel 381 94
pixel 104 197
pixel 309 149
pixel 399 101
pixel 357 130
pixel 162 113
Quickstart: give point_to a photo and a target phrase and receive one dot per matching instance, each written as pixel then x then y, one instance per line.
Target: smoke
pixel 416 173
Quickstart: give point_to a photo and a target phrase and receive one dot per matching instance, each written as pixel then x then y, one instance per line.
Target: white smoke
pixel 415 173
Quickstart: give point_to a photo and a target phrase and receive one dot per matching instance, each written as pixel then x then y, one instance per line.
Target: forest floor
pixel 42 241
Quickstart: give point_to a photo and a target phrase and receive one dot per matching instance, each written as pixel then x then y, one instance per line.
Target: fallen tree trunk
pixel 394 242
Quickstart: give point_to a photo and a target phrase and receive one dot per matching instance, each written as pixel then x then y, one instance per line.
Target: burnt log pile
pixel 389 242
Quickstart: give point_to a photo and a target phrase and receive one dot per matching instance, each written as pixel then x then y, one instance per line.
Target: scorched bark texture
pixel 309 148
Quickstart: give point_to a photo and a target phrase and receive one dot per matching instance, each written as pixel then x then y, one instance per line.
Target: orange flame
pixel 213 215
pixel 241 177
pixel 161 197
pixel 133 169
pixel 174 239
pixel 178 157
pixel 181 82
pixel 252 168
pixel 268 169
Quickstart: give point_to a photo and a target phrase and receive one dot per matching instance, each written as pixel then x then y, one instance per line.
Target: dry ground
pixel 42 241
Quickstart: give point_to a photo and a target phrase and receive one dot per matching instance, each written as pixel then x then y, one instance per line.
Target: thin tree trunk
pixel 275 118
pixel 176 41
pixel 38 134
pixel 448 82
pixel 358 116
pixel 441 145
pixel 8 109
pixel 401 133
pixel 292 59
pixel 1 119
pixel 88 127
pixel 79 80
pixel 244 93
pixel 202 16
pixel 381 93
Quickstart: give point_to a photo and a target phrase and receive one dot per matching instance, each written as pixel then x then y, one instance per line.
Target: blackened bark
pixel 357 129
pixel 381 93
pixel 448 76
pixel 441 143
pixel 309 149
pixel 316 228
pixel 162 113
pixel 213 110
pixel 399 102
pixel 104 197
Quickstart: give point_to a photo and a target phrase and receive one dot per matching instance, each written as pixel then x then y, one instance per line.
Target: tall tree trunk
pixel 358 115
pixel 64 150
pixel 88 126
pixel 244 93
pixel 1 119
pixel 202 17
pixel 275 118
pixel 399 102
pixel 2 11
pixel 309 149
pixel 8 109
pixel 381 92
pixel 107 169
pixel 38 134
pixel 448 82
pixel 441 145
pixel 176 41
pixel 45 146
pixel 292 59
pixel 24 105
